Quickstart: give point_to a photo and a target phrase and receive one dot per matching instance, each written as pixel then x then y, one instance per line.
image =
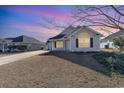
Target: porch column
pixel 53 46
pixel 64 42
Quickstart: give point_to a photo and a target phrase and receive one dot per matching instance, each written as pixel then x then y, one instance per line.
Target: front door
pixel 67 45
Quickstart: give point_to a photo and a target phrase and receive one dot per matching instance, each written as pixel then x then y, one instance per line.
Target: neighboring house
pixel 107 42
pixel 3 45
pixel 75 39
pixel 24 43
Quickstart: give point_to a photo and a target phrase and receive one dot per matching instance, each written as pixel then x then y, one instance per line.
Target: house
pixel 24 43
pixel 75 39
pixel 107 42
pixel 3 45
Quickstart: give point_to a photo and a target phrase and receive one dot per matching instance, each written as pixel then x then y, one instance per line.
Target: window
pixel 55 44
pixel 84 40
pixel 76 43
pixel 91 42
pixel 59 44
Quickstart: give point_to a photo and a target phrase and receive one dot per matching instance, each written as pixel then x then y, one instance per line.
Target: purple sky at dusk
pixel 28 20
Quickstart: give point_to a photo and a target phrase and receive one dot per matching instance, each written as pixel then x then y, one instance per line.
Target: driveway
pixel 16 57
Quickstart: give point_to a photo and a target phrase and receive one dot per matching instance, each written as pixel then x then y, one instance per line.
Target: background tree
pixel 119 42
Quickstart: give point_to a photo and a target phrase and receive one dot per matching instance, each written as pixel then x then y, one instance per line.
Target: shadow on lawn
pixel 83 59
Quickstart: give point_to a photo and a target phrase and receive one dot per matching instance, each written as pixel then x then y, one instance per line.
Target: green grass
pixel 113 61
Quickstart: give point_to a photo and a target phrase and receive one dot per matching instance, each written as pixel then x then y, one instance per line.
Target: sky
pixel 29 20
pixel 34 21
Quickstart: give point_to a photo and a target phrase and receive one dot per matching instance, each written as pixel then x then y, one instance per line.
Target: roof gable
pixel 70 31
pixel 82 28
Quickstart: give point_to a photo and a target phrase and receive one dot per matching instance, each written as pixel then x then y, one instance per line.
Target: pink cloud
pixel 58 16
pixel 106 31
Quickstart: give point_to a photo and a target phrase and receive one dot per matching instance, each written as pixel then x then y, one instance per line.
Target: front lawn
pixel 113 61
pixel 58 70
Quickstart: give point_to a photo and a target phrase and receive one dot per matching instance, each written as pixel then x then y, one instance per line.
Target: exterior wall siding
pixel 34 46
pixel 107 42
pixel 29 46
pixel 96 43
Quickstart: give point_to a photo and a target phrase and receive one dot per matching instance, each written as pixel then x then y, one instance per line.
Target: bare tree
pixel 104 17
pixel 100 16
pixel 118 10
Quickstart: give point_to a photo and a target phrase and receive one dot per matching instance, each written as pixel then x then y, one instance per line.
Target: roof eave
pixel 57 39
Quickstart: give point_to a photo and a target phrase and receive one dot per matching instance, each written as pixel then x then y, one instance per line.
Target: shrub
pixel 112 62
pixel 119 42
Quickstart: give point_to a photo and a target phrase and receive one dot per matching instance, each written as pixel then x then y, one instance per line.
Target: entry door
pixel 67 45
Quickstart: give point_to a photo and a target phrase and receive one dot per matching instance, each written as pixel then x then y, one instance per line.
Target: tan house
pixel 24 43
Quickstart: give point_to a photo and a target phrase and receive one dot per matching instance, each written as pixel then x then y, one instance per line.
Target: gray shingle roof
pixel 64 33
pixel 2 40
pixel 70 30
pixel 58 36
pixel 24 39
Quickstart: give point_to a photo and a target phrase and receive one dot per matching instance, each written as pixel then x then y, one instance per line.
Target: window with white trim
pixel 59 44
pixel 83 40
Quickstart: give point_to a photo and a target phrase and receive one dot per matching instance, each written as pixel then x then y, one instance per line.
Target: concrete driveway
pixel 20 56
